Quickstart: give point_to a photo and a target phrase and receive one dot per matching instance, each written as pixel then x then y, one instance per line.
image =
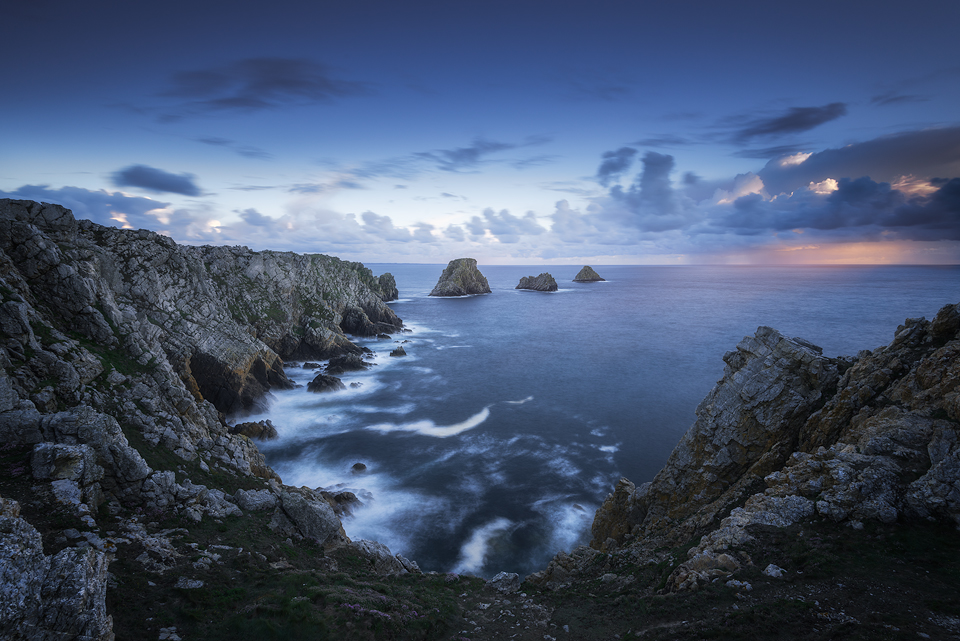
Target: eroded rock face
pixel 461 278
pixel 791 435
pixel 587 275
pixel 542 283
pixel 49 597
pixel 388 287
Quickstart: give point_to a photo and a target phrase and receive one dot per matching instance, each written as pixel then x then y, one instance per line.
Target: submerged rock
pixel 346 363
pixel 542 283
pixel 587 275
pixel 461 278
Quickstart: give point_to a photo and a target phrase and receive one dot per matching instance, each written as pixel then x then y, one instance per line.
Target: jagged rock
pixel 49 597
pixel 346 363
pixel 542 283
pixel 325 383
pixel 461 278
pixel 262 430
pixel 506 582
pixel 255 500
pixel 399 351
pixel 587 275
pixel 388 287
pixel 309 365
pixel 311 515
pixel 379 557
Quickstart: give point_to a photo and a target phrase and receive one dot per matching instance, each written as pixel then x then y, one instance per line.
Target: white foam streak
pixel 474 552
pixel 429 428
pixel 521 401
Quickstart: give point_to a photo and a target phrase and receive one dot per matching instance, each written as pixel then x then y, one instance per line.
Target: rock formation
pixel 542 283
pixel 587 275
pixel 461 278
pixel 789 434
pixel 325 383
pixel 120 353
pixel 388 287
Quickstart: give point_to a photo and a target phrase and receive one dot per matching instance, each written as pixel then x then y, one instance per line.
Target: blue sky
pixel 514 132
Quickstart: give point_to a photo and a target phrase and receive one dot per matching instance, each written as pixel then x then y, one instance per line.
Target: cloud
pixel 102 207
pixel 650 203
pixel 795 120
pixel 246 151
pixel 614 164
pixel 766 153
pixel 255 218
pixel 506 227
pixel 155 180
pixel 256 84
pixel 470 157
pixel 925 153
pixel 895 98
pixel 664 140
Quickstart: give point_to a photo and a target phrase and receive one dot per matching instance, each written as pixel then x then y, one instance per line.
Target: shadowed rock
pixel 325 383
pixel 542 283
pixel 587 275
pixel 461 278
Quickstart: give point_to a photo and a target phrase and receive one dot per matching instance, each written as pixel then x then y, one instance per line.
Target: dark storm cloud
pixel 246 151
pixel 256 84
pixel 924 153
pixel 795 120
pixel 614 164
pixel 155 180
pixel 99 206
pixel 650 203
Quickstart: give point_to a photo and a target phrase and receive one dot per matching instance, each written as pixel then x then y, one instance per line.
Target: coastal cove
pixel 490 446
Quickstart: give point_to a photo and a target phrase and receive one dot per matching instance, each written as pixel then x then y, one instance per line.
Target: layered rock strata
pixel 587 275
pixel 542 283
pixel 461 278
pixel 788 434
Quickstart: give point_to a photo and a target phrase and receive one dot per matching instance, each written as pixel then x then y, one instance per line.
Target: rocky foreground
pixel 813 497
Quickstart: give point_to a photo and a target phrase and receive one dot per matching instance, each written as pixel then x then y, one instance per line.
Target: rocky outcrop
pixel 587 275
pixel 542 283
pixel 461 278
pixel 325 383
pixel 62 596
pixel 788 435
pixel 388 287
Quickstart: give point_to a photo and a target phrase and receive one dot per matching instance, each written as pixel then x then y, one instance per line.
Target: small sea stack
pixel 587 275
pixel 542 283
pixel 461 278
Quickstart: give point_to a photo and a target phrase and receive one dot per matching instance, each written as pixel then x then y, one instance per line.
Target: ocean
pixel 491 444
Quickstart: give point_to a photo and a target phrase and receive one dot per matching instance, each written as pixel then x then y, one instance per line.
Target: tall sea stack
pixel 461 278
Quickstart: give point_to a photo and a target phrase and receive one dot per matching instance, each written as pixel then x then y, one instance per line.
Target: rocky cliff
pixel 461 278
pixel 788 435
pixel 121 351
pixel 542 283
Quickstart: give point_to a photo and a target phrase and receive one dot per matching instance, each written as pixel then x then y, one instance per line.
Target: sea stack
pixel 461 278
pixel 542 283
pixel 587 275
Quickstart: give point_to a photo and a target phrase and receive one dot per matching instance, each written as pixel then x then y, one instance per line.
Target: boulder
pixel 587 275
pixel 262 430
pixel 542 283
pixel 346 363
pixel 325 383
pixel 399 351
pixel 461 278
pixel 310 514
pixel 506 582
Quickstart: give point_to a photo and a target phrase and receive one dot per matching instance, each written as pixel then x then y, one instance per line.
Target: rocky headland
pixel 461 278
pixel 587 275
pixel 814 497
pixel 542 283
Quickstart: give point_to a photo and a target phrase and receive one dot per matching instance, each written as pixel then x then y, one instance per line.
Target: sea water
pixel 491 444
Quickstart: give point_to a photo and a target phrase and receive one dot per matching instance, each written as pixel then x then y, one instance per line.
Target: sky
pixel 522 132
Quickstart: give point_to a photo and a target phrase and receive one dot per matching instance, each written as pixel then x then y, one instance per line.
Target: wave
pixel 474 552
pixel 521 401
pixel 429 428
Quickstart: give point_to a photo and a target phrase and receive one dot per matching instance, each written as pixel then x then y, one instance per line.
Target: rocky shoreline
pixel 130 509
